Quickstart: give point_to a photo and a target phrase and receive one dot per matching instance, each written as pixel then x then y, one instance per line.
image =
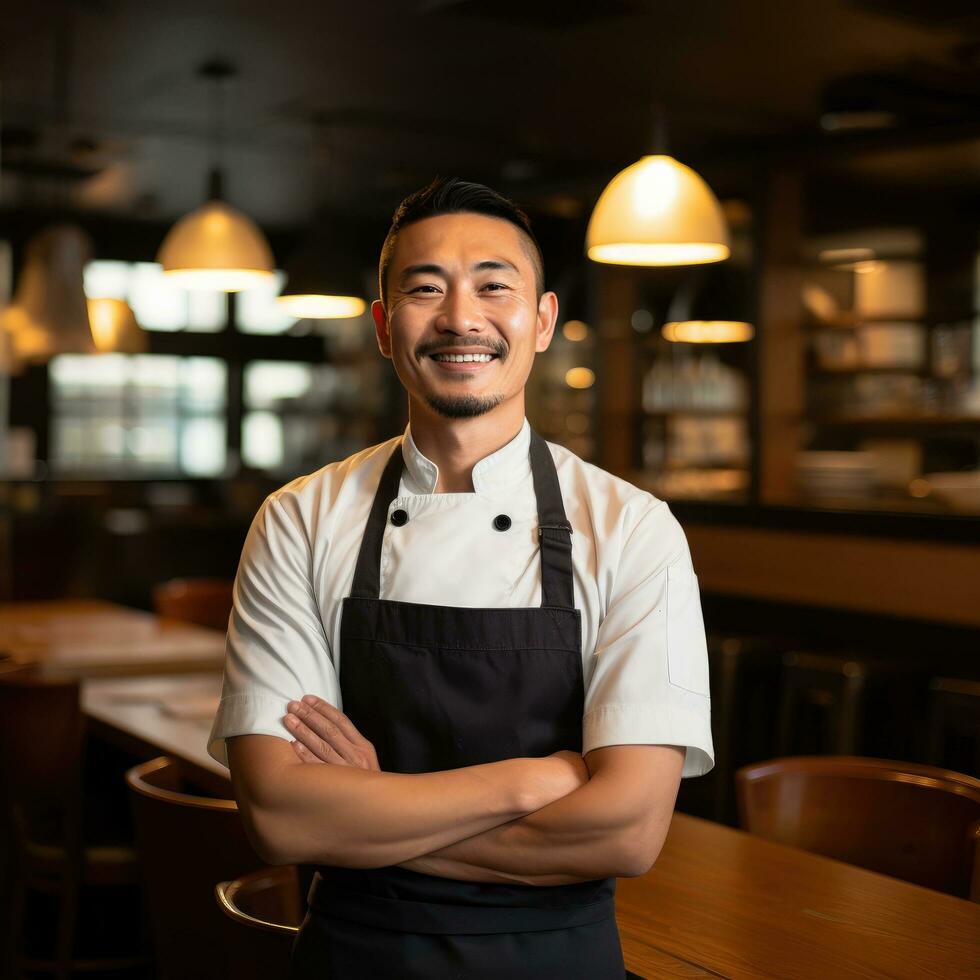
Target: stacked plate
pixel 836 474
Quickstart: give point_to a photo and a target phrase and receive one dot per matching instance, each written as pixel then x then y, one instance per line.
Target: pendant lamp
pixel 709 308
pixel 324 275
pixel 114 327
pixel 657 212
pixel 49 312
pixel 216 247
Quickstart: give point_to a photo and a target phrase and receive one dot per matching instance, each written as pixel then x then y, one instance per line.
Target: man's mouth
pixel 463 358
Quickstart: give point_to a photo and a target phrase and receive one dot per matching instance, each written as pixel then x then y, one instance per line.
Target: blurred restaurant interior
pixel 809 407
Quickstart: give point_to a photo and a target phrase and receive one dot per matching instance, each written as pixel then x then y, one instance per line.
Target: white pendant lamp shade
pixel 114 327
pixel 49 313
pixel 657 212
pixel 217 248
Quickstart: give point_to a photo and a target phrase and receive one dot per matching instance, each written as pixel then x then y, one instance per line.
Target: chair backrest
pixel 187 844
pixel 899 818
pixel 975 882
pixel 41 755
pixel 204 601
pixel 266 909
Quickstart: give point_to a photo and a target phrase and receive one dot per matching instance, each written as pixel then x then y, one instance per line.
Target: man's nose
pixel 460 312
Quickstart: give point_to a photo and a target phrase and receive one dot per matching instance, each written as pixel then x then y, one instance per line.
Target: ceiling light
pixel 216 247
pixel 114 326
pixel 657 212
pixel 708 331
pixel 709 307
pixel 48 314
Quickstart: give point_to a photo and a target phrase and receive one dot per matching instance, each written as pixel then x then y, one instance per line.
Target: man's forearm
pixel 357 818
pixel 574 839
pixel 602 829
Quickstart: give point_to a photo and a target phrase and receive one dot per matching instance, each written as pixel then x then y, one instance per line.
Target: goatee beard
pixel 463 406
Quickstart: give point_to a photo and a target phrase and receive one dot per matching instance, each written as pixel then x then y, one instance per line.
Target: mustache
pixel 427 347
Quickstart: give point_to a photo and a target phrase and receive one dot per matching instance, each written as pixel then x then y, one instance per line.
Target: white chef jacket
pixel 644 655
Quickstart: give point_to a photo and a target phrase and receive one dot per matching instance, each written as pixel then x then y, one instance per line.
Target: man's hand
pixel 323 733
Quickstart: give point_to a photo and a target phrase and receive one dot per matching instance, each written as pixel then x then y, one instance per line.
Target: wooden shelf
pixel 928 421
pixel 697 412
pixel 851 321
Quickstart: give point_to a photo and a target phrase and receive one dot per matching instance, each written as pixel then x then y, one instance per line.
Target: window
pixel 300 416
pixel 157 303
pixel 140 414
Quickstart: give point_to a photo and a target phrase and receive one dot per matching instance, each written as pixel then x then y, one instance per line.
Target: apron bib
pixel 443 687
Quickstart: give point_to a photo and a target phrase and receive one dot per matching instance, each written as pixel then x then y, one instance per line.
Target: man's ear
pixel 547 317
pixel 381 327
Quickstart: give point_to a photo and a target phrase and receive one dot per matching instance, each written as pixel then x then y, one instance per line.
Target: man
pixel 466 670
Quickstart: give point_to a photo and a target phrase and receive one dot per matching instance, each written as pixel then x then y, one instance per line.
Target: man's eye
pixel 423 289
pixel 494 286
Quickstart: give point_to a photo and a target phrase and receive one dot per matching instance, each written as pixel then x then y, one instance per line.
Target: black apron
pixel 443 687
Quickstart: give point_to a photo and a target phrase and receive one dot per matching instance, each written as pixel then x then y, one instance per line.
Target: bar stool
pixel 187 844
pixel 824 700
pixel 954 723
pixel 266 908
pixel 41 762
pixel 204 601
pixel 903 819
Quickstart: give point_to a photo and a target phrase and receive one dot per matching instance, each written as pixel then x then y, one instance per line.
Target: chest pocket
pixel 687 651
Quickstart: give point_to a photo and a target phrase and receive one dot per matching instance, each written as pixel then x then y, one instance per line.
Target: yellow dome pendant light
pixel 323 276
pixel 216 247
pixel 657 212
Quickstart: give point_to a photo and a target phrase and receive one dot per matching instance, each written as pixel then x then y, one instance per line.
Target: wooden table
pixel 151 716
pixel 718 902
pixel 90 638
pixel 740 906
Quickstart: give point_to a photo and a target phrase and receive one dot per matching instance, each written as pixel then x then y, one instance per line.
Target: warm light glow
pixel 575 330
pixel 863 267
pixel 845 256
pixel 657 212
pixel 920 488
pixel 114 328
pixel 216 248
pixel 708 331
pixel 656 254
pixel 320 307
pixel 580 377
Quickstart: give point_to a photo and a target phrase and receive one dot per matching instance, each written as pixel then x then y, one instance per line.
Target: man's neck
pixel 457 445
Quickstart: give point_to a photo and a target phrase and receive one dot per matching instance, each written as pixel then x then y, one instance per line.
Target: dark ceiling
pixel 356 103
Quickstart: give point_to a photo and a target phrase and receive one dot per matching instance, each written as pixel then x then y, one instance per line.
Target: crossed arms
pixel 323 800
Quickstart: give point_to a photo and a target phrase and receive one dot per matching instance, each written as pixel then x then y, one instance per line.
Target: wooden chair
pixel 975 882
pixel 267 909
pixel 41 762
pixel 187 844
pixel 204 601
pixel 899 818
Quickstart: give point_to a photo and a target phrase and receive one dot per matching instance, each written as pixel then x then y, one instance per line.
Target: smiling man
pixel 466 670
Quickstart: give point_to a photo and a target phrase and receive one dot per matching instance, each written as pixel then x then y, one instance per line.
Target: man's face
pixel 463 285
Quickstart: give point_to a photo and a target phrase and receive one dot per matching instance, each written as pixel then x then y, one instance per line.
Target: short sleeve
pixel 649 684
pixel 276 648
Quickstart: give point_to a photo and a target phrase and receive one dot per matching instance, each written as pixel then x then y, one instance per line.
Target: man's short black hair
pixel 450 195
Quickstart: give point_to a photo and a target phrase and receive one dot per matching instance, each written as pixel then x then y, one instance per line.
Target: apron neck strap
pixel 554 531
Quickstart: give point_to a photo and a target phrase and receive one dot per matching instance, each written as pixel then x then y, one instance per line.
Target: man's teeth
pixel 462 358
